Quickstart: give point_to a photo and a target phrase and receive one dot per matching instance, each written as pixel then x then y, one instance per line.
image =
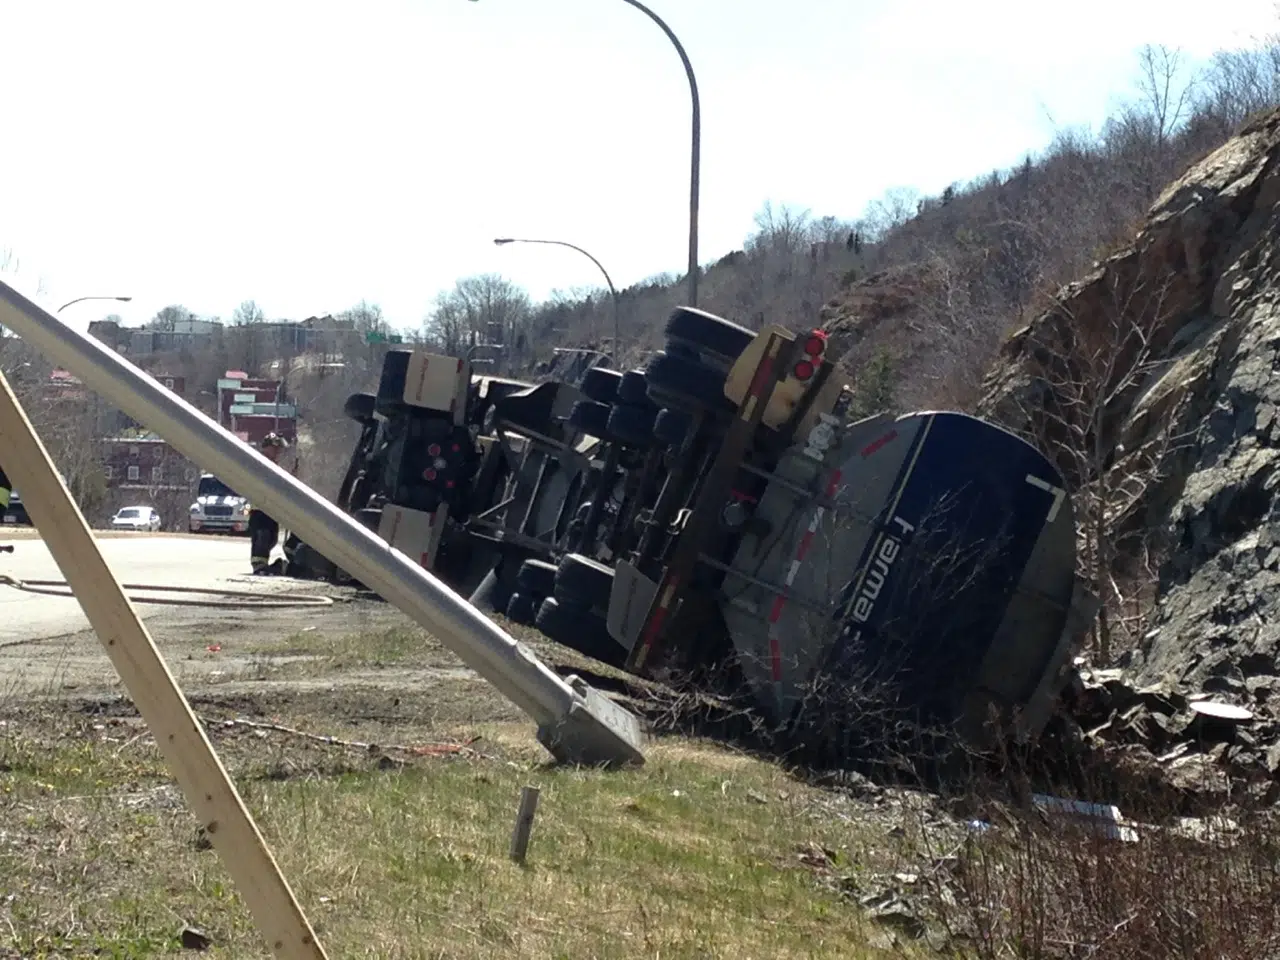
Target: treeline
pixel 919 289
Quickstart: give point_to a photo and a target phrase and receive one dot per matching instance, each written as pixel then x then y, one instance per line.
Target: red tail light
pixel 803 370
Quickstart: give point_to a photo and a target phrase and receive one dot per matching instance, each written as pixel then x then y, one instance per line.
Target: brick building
pixel 252 407
pixel 145 463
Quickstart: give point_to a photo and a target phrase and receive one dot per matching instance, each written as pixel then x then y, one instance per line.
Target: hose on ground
pixel 216 597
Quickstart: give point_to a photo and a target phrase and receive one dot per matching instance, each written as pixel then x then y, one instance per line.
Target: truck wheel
pixel 583 581
pixel 633 388
pixel 708 335
pixel 578 629
pixel 671 427
pixel 360 407
pixel 680 378
pixel 522 608
pixel 631 425
pixel 591 417
pixel 601 384
pixel 536 578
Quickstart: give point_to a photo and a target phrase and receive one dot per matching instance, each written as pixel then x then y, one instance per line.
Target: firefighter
pixel 6 491
pixel 263 530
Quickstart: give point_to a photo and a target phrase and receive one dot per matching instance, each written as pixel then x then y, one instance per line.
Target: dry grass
pixel 694 855
pixel 1051 889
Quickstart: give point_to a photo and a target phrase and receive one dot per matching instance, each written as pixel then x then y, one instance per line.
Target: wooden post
pixel 178 733
pixel 524 823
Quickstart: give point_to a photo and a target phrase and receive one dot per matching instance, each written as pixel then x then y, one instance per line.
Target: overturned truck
pixel 718 513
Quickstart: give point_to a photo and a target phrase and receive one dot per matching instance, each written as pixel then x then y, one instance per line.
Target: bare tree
pixel 248 347
pixel 1165 91
pixel 168 318
pixel 1238 83
pixel 781 230
pixel 1094 357
pixel 248 313
pixel 893 209
pixel 483 309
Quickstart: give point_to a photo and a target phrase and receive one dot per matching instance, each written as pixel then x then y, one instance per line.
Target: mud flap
pixel 415 533
pixel 629 603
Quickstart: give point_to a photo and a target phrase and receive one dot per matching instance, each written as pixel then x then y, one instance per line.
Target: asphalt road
pixel 134 558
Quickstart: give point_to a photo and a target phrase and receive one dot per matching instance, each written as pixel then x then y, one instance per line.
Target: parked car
pixel 136 518
pixel 16 514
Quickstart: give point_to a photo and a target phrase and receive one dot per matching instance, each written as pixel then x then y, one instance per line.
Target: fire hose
pixel 215 596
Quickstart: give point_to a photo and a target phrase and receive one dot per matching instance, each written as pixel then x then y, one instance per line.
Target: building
pixel 64 385
pixel 191 334
pixel 252 407
pixel 145 463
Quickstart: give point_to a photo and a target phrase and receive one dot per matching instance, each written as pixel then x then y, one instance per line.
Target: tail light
pixel 815 345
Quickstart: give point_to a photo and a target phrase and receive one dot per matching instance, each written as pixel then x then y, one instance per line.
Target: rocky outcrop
pixel 1180 330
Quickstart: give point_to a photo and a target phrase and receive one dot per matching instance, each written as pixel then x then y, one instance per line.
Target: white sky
pixel 310 153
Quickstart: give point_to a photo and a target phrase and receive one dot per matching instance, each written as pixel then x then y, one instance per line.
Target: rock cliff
pixel 1156 382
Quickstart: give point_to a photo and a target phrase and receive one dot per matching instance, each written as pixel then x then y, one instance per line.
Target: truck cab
pixel 217 508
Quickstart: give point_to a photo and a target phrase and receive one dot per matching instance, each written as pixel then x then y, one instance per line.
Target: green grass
pixel 693 855
pixel 395 645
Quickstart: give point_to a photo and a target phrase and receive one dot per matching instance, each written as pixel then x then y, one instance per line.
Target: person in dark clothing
pixel 264 531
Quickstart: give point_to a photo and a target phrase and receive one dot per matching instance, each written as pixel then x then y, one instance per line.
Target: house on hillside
pixel 145 463
pixel 252 407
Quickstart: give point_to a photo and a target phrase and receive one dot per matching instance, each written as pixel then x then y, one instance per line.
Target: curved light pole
pixel 694 150
pixel 617 342
pixel 78 299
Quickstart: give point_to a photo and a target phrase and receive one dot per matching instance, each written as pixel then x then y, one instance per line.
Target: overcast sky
pixel 311 154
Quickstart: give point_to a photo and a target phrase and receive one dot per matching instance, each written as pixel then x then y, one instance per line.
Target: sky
pixel 309 154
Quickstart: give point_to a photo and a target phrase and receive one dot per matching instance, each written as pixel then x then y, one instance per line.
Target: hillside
pixel 918 291
pixel 1152 380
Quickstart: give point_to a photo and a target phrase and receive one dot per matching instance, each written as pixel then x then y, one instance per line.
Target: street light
pixel 78 299
pixel 502 241
pixel 694 150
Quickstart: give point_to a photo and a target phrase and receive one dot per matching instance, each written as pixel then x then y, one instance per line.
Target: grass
pixel 395 645
pixel 697 854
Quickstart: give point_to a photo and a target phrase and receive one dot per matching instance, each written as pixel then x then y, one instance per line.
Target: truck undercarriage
pixel 717 511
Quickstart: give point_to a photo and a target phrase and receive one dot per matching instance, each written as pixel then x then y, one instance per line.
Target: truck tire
pixel 631 425
pixel 708 334
pixel 360 407
pixel 690 381
pixel 671 427
pixel 536 578
pixel 591 417
pixel 633 388
pixel 582 581
pixel 579 629
pixel 601 384
pixel 522 608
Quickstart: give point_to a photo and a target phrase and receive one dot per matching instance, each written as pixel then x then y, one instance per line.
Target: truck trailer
pixel 717 511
